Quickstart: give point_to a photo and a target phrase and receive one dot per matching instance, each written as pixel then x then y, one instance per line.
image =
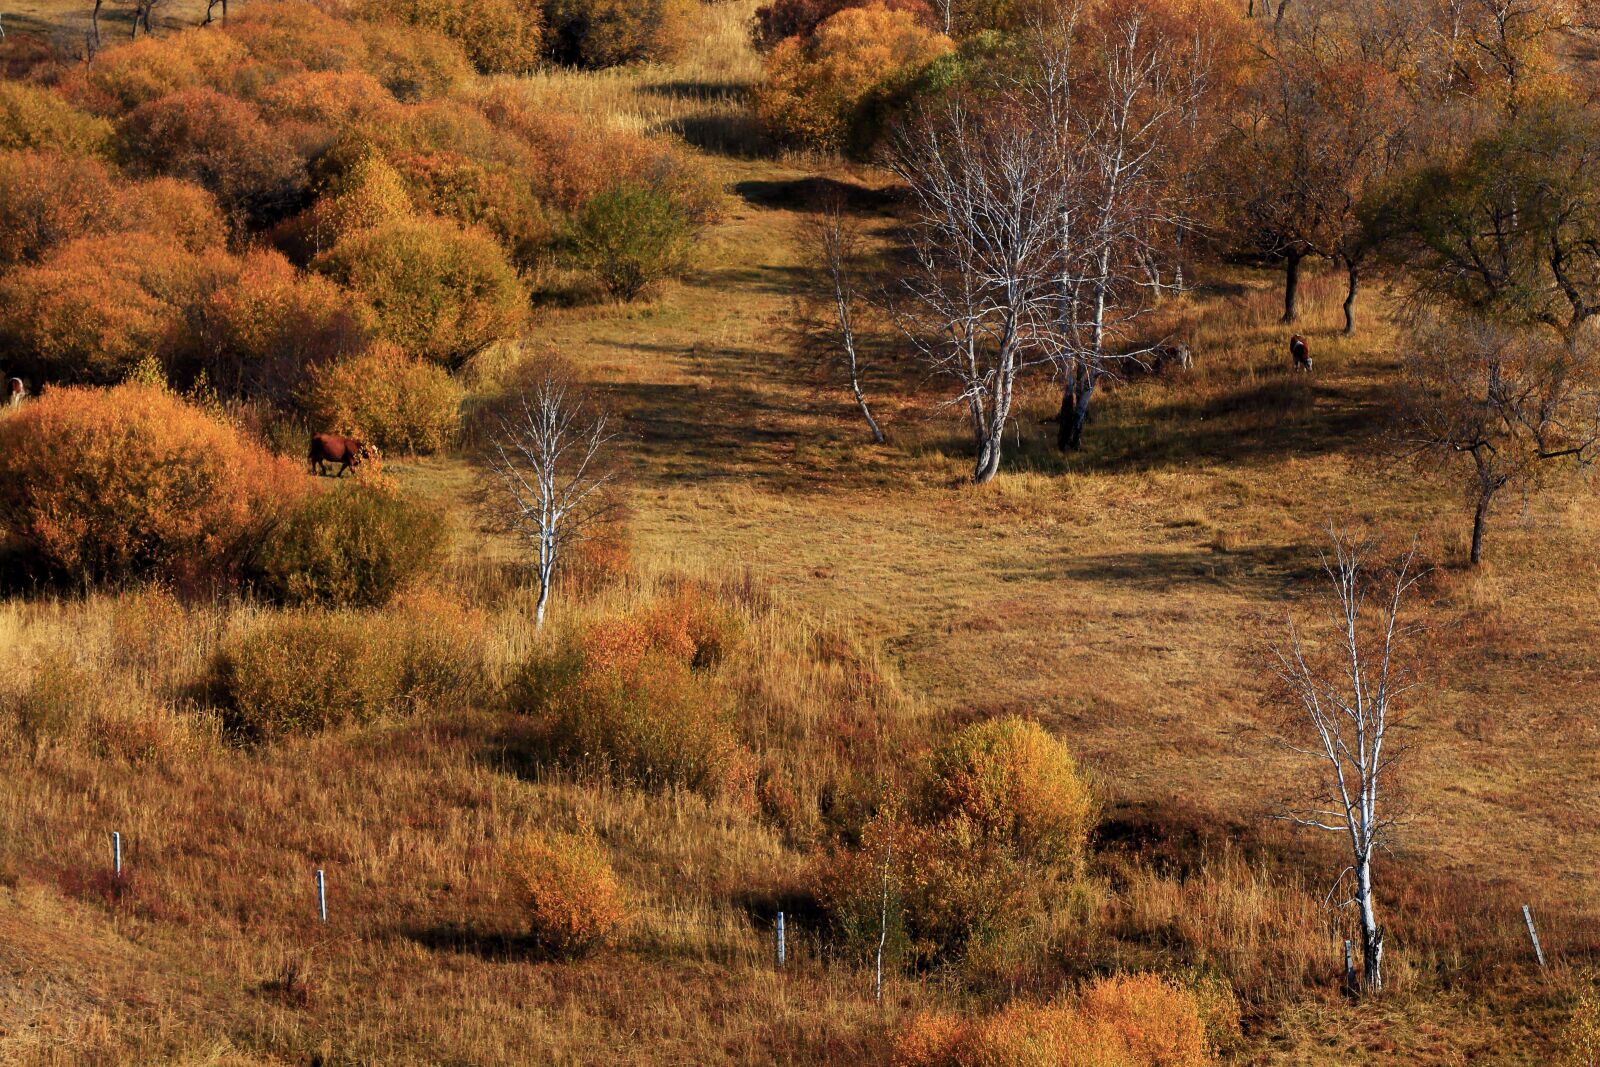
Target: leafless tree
pixel 550 458
pixel 828 319
pixel 1348 700
pixel 1112 122
pixel 141 16
pixel 1508 399
pixel 978 287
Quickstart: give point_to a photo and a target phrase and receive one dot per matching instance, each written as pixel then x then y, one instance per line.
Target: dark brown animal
pixel 1300 353
pixel 331 448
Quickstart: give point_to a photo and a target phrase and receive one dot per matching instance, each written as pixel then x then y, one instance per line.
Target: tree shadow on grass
pixel 815 193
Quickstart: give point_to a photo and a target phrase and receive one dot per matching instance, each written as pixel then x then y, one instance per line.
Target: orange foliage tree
pixel 32 116
pixel 387 398
pixel 47 198
pixel 105 484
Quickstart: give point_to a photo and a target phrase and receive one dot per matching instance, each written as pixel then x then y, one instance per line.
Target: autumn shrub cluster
pixel 303 187
pixel 131 482
pixel 632 236
pixel 355 545
pixel 572 898
pixel 829 88
pixel 638 699
pixel 1140 1020
pixel 991 833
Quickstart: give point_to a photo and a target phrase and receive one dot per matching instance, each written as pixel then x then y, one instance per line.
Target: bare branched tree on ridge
pixel 550 459
pixel 1348 704
pixel 830 318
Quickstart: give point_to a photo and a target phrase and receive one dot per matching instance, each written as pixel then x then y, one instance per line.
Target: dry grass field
pixel 1124 596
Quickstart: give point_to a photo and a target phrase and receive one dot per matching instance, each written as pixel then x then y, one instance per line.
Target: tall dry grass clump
pixel 1140 1020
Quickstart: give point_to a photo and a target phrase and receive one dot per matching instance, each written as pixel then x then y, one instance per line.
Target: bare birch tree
pixel 977 290
pixel 1347 701
pixel 1110 119
pixel 549 458
pixel 829 320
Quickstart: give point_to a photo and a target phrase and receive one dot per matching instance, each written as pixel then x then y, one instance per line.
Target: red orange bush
pixel 96 306
pixel 47 198
pixel 105 484
pixel 573 900
pixel 500 36
pixel 605 33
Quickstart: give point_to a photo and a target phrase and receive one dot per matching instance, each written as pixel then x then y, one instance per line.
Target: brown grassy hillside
pixel 1124 597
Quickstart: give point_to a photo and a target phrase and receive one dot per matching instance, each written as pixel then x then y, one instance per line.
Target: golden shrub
pixel 633 697
pixel 178 210
pixel 33 117
pixel 606 33
pixel 305 671
pixel 1120 1021
pixel 122 78
pixel 573 900
pixel 297 35
pixel 439 291
pixel 131 481
pixel 1015 785
pixel 386 398
pixel 499 36
pixel 333 98
pixel 414 63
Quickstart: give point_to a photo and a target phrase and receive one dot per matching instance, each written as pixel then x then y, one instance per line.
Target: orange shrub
pixel 500 36
pixel 177 210
pixel 1155 1020
pixel 124 77
pixel 387 398
pixel 635 698
pixel 572 897
pixel 439 291
pixel 816 86
pixel 605 33
pixel 103 484
pixel 262 327
pixel 331 98
pixel 33 117
pixel 993 837
pixel 221 143
pixel 95 306
pixel 289 34
pixel 414 63
pixel 357 197
pixel 46 199
pixel 499 199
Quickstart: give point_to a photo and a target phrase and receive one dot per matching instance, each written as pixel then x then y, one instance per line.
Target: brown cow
pixel 1300 353
pixel 331 448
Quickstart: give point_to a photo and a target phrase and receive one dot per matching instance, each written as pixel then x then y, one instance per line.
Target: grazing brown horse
pixel 1300 353
pixel 331 448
